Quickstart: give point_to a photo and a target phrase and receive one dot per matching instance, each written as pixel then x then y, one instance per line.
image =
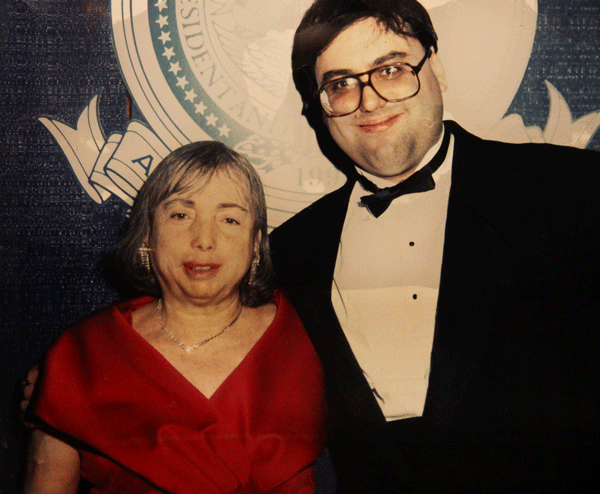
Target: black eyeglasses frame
pixel 415 68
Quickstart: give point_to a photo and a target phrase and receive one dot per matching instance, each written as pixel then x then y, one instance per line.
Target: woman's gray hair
pixel 178 172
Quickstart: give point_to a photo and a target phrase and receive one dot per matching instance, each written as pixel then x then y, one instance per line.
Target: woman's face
pixel 202 240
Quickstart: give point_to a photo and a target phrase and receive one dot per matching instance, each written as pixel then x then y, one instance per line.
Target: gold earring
pixel 144 256
pixel 253 269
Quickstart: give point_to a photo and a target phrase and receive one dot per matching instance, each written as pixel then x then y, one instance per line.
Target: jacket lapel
pixel 476 270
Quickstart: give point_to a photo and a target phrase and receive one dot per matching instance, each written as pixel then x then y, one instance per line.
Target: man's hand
pixel 27 385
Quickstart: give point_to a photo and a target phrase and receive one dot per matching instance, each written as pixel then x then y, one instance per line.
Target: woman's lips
pixel 201 270
pixel 380 125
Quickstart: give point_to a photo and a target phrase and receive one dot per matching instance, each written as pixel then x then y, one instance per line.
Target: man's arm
pixel 53 467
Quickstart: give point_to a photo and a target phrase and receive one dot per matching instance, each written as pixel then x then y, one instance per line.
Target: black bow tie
pixel 420 181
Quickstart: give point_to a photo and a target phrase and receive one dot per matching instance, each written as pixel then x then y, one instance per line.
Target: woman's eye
pixel 232 221
pixel 179 216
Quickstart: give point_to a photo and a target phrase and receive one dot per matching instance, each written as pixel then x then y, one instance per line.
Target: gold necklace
pixel 181 344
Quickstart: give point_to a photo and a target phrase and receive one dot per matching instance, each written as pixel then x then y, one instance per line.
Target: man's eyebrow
pixel 393 55
pixel 335 74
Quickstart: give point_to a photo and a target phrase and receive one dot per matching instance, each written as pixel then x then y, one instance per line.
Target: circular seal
pixel 220 69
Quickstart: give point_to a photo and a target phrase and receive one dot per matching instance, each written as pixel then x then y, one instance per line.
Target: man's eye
pixel 232 221
pixel 342 85
pixel 389 72
pixel 179 216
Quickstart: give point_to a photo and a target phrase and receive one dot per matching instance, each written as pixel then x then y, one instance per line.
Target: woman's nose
pixel 203 235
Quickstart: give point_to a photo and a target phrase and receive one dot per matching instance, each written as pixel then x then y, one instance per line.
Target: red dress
pixel 141 427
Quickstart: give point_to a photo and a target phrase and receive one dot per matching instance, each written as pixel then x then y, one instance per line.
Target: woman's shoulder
pixel 117 310
pixel 274 318
pixel 282 305
pixel 97 345
pixel 97 327
pixel 286 317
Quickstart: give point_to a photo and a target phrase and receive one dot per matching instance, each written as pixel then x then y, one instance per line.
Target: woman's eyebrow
pixel 190 203
pixel 175 200
pixel 227 205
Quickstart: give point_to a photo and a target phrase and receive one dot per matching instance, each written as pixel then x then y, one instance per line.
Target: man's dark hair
pixel 321 24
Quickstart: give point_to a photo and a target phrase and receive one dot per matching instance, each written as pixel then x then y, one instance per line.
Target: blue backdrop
pixel 54 56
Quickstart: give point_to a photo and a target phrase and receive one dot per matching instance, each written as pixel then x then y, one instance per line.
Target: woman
pixel 209 383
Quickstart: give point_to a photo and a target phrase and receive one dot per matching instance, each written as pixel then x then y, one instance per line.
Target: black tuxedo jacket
pixel 513 402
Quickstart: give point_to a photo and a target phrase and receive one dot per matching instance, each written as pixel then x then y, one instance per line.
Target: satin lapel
pixel 476 271
pixel 304 249
pixel 322 249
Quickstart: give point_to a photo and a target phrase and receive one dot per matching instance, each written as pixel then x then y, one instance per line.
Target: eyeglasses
pixel 393 83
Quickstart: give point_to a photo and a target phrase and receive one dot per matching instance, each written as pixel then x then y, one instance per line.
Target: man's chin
pixel 389 166
pixel 394 175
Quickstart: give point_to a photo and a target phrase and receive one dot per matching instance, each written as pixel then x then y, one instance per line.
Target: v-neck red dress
pixel 141 427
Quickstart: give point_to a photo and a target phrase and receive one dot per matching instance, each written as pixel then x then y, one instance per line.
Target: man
pixel 457 320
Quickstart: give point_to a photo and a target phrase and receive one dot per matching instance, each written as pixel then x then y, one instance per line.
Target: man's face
pixel 385 139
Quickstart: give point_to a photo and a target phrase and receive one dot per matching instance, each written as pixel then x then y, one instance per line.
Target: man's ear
pixel 438 71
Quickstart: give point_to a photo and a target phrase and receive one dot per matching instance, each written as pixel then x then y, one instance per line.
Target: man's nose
pixel 370 100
